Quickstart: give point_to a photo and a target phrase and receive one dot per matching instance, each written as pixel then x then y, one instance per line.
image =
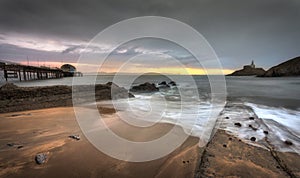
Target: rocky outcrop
pixel 288 68
pixel 249 72
pixel 145 88
pixel 14 98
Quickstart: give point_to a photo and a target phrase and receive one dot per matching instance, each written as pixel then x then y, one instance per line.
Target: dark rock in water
pixel 41 158
pixel 75 137
pixel 172 83
pixel 288 68
pixel 253 139
pixel 251 118
pixel 266 132
pixel 288 142
pixel 227 117
pixel 238 124
pixel 146 87
pixel 163 83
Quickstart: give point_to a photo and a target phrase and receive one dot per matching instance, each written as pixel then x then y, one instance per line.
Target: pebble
pixel 238 124
pixel 41 158
pixel 10 144
pixel 253 139
pixel 288 142
pixel 76 137
pixel 251 118
pixel 253 128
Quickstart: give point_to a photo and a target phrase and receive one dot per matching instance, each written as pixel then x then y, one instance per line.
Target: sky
pixel 53 32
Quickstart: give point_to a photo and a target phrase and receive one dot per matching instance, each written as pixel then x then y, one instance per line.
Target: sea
pixel 274 104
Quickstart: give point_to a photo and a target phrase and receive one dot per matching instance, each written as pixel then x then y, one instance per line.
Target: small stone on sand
pixel 10 144
pixel 41 158
pixel 288 142
pixel 253 139
pixel 76 137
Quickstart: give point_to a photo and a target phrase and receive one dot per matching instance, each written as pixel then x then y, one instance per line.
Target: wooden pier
pixel 24 73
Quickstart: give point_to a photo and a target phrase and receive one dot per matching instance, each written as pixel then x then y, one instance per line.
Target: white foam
pixel 286 117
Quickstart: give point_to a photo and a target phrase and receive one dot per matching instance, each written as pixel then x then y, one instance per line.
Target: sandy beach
pixel 48 130
pixel 25 134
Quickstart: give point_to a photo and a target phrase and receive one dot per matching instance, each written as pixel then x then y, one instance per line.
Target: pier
pixel 25 72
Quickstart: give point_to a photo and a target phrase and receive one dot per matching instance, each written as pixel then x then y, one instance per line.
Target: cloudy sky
pixel 53 32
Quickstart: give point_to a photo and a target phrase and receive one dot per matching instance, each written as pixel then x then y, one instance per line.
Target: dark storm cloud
pixel 266 31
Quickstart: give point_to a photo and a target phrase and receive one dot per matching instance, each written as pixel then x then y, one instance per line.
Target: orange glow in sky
pixel 87 68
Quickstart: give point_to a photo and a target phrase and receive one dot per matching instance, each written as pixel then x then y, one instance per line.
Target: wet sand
pixel 48 130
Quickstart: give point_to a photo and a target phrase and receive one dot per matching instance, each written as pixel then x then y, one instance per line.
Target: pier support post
pixel 24 74
pixel 5 74
pixel 20 76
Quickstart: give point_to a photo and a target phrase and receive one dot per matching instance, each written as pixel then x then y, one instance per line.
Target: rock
pixel 163 83
pixel 227 117
pixel 266 132
pixel 251 118
pixel 238 124
pixel 288 142
pixel 288 68
pixel 55 96
pixel 224 145
pixel 8 86
pixel 253 128
pixel 146 87
pixel 253 139
pixel 10 144
pixel 249 72
pixel 75 137
pixel 19 147
pixel 41 158
pixel 172 83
